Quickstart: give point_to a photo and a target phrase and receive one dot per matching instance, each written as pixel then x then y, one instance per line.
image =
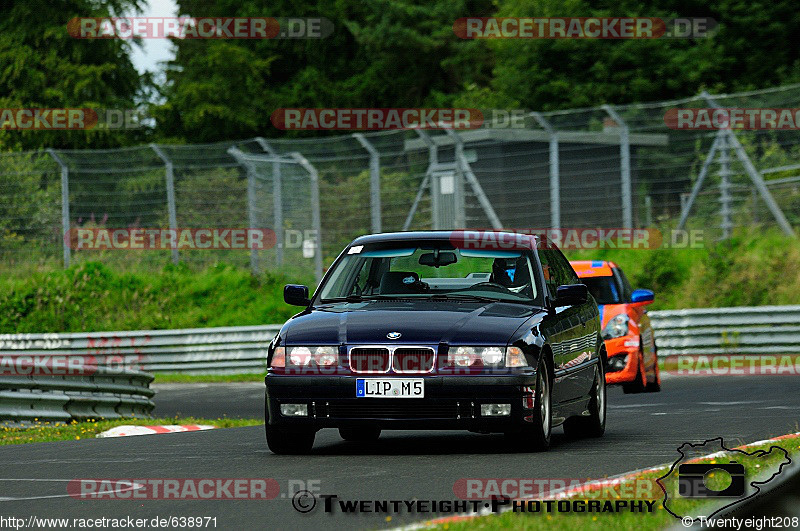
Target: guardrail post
pixel 555 177
pixel 315 214
pixel 277 199
pixel 64 205
pixel 466 170
pixel 374 181
pixel 251 202
pixel 750 168
pixel 625 166
pixel 170 182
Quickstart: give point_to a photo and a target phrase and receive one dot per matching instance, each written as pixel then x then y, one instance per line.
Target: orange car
pixel 626 329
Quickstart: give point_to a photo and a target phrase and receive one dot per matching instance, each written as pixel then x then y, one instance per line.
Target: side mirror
pixel 642 296
pixel 570 294
pixel 296 295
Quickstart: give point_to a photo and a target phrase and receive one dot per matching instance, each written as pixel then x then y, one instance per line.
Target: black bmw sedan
pixel 481 331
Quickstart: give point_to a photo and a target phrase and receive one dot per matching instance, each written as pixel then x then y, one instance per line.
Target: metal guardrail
pixel 748 330
pixel 238 349
pixel 241 349
pixel 118 387
pixel 107 393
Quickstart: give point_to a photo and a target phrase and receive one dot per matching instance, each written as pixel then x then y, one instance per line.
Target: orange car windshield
pixel 603 289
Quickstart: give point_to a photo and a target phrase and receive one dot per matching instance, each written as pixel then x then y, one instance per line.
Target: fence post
pixel 374 181
pixel 755 176
pixel 625 166
pixel 687 207
pixel 251 202
pixel 170 178
pixel 433 159
pixel 64 204
pixel 555 176
pixel 477 189
pixel 315 214
pixel 724 189
pixel 277 199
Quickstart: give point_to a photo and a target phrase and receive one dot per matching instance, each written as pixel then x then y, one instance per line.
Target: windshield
pixel 603 289
pixel 430 271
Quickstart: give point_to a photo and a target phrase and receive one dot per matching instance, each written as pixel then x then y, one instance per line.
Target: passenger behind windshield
pixel 431 272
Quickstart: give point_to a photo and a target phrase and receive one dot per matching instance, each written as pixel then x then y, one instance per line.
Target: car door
pixel 563 326
pixel 575 366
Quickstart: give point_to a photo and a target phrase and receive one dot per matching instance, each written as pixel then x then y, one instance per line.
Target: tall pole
pixel 374 181
pixel 170 182
pixel 555 176
pixel 64 205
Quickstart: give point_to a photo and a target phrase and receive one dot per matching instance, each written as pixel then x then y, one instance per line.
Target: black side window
pixel 552 270
pixel 568 274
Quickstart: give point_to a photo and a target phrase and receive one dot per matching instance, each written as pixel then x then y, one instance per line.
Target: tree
pixel 42 66
pixel 382 53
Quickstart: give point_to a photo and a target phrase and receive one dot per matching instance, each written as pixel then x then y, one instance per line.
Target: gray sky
pixel 155 50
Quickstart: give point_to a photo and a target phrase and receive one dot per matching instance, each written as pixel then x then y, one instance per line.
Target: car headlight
pixel 616 327
pixel 487 356
pixel 304 356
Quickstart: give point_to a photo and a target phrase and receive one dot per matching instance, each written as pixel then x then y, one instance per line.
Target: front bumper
pixel 450 402
pixel 623 346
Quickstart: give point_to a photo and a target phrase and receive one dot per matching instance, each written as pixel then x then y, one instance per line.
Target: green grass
pixel 55 431
pixel 659 519
pixel 93 297
pixel 168 377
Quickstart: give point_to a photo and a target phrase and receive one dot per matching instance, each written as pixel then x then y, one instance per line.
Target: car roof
pixel 429 235
pixel 592 268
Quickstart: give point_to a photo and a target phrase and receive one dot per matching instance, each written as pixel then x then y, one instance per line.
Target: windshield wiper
pixel 482 298
pixel 360 298
pixel 464 296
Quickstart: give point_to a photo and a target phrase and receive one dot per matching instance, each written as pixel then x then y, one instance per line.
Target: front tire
pixel 536 438
pixel 289 441
pixel 655 385
pixel 595 424
pixel 639 384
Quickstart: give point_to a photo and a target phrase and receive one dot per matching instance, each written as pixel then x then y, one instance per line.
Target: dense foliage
pixel 382 53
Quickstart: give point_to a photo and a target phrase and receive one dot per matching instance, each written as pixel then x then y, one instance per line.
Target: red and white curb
pixel 583 487
pixel 128 431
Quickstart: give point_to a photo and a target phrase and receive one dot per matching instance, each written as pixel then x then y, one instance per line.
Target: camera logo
pixel 714 477
pixel 696 480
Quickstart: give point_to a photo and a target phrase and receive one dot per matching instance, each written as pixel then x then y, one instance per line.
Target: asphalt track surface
pixel 643 430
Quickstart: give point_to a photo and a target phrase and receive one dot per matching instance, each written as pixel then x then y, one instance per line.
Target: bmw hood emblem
pixel 394 335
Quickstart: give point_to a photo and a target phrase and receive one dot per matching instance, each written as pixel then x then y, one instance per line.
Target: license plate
pixel 390 388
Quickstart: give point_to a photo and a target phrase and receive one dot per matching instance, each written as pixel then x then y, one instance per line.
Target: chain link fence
pixel 608 166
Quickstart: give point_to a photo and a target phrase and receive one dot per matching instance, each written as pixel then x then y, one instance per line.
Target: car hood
pixel 418 322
